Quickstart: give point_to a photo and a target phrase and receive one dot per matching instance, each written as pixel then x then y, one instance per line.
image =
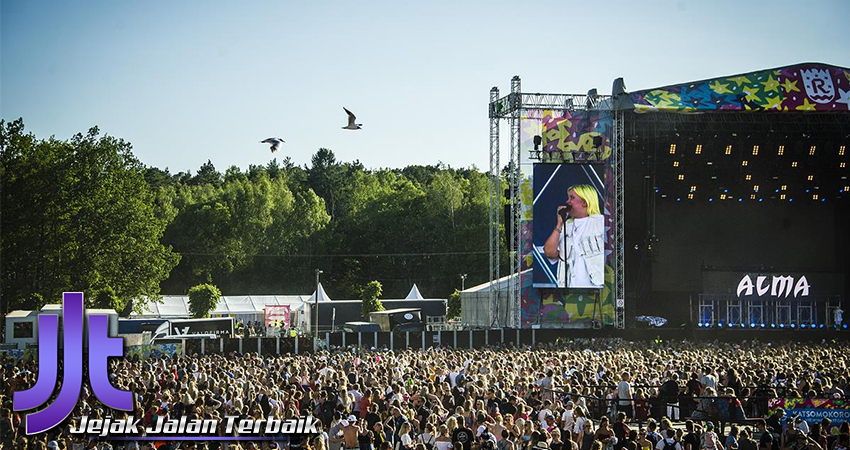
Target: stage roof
pixel 806 87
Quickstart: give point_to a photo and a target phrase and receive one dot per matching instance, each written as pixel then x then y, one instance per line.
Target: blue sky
pixel 187 81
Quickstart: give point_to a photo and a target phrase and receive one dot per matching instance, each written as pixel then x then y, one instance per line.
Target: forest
pixel 86 215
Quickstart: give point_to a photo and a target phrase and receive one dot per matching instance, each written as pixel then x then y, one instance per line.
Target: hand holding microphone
pixel 564 212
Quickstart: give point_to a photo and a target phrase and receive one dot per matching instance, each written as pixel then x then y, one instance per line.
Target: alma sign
pixel 779 286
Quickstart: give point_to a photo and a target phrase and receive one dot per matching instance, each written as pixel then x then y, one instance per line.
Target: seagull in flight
pixel 276 143
pixel 351 118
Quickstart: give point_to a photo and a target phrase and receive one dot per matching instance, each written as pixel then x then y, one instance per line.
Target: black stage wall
pixel 670 242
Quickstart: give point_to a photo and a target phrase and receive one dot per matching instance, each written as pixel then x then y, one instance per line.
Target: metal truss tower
pixel 619 224
pixel 512 107
pixel 494 197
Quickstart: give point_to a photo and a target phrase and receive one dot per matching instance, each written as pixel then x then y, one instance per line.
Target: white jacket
pixel 590 250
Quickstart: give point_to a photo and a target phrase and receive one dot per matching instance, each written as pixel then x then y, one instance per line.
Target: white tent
pixel 323 297
pixel 414 294
pixel 246 307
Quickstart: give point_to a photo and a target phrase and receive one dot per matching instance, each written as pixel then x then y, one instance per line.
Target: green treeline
pixel 86 215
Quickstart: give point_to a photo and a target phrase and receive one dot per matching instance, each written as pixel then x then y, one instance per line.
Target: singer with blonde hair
pixel 577 243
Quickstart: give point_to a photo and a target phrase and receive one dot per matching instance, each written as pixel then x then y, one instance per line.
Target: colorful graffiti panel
pixel 798 88
pixel 576 135
pixel 560 307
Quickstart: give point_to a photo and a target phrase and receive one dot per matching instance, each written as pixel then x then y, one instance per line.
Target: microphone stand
pixel 564 249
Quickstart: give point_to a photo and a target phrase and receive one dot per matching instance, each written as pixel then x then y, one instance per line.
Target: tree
pixel 203 299
pixel 453 306
pixel 370 297
pixel 76 216
pixel 106 299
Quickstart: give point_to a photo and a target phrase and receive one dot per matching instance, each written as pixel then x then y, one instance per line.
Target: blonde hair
pixel 589 195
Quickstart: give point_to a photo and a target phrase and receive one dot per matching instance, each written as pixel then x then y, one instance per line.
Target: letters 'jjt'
pixel 100 348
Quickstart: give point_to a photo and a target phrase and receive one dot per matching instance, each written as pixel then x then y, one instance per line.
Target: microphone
pixel 563 212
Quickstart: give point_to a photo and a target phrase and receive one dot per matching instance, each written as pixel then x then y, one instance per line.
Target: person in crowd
pixel 691 440
pixel 669 441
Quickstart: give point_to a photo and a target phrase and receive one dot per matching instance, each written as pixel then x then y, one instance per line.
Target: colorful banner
pixel 566 137
pixel 797 88
pixel 812 410
pixel 277 316
pixel 153 351
pixel 576 135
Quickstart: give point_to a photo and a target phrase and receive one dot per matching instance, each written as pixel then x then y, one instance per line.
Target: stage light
pixel 810 177
pixel 756 188
pixel 672 149
pixel 802 325
pixel 773 325
pixel 842 165
pixel 761 199
pixel 815 197
pixel 675 163
pixel 722 196
pixel 794 164
pixel 841 150
pixel 720 324
pixel 762 325
pixel 812 150
pixel 726 191
pixel 784 187
pixel 846 188
pixel 744 163
pixel 822 200
pixel 693 188
pixel 752 196
pixel 728 149
pixel 698 150
pixel 678 199
pixel 748 177
pixel 790 199
pixel 690 196
pixel 781 325
pixel 740 199
pixel 808 191
pixel 821 325
pixel 755 150
pixel 793 325
pixel 699 325
pixel 711 199
pixel 781 150
pixel 844 326
pixel 656 190
pixel 743 326
pixel 681 177
pixel 752 325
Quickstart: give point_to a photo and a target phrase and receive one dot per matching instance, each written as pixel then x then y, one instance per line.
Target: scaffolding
pixel 511 107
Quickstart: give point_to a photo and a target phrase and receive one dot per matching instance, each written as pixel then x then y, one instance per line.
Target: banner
pixel 277 315
pixel 812 410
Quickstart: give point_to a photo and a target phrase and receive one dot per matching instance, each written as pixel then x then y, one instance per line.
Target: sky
pixel 190 81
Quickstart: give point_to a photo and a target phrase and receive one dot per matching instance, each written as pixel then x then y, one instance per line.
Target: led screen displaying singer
pixel 577 243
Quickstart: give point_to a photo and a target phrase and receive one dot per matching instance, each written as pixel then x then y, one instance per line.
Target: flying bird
pixel 275 143
pixel 351 118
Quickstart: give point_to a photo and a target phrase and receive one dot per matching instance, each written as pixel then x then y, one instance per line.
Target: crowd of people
pixel 601 394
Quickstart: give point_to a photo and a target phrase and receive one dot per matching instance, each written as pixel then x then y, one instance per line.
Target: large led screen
pixel 569 226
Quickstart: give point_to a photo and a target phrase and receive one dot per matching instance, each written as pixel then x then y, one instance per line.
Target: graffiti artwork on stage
pixel 813 410
pixel 554 307
pixel 571 136
pixel 798 88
